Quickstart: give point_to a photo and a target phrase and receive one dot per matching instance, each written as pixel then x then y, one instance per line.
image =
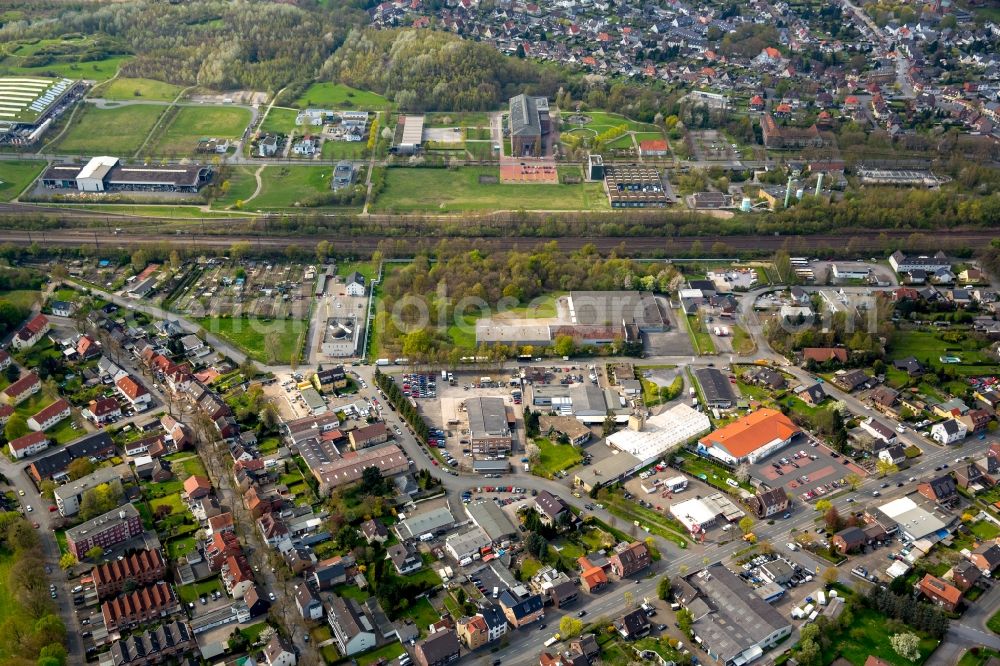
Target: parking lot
pixel 807 470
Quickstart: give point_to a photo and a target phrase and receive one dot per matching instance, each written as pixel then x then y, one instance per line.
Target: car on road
pixel 20 492
pixel 270 595
pixel 581 613
pixel 542 626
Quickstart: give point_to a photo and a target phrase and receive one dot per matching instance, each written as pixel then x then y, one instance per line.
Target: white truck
pixel 444 375
pixel 821 598
pixel 382 361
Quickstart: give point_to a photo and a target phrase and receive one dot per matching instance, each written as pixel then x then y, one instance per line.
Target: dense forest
pixel 213 43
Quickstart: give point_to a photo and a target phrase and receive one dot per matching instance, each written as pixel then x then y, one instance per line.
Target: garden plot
pixel 253 289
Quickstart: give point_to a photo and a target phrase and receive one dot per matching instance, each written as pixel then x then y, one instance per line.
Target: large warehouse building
pixel 749 438
pixel 108 174
pixel 489 426
pixel 648 439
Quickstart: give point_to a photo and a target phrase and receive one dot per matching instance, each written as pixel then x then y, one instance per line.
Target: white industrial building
pixel 914 521
pixel 648 439
pixel 467 544
pixel 695 514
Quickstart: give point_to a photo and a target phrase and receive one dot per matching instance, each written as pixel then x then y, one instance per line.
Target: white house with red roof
pixel 31 332
pixel 28 445
pixel 102 410
pixel 51 415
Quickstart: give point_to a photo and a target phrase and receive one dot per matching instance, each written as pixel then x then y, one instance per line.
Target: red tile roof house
pixel 654 148
pixel 28 445
pixel 31 332
pixel 21 390
pixel 4 359
pixel 236 575
pixel 144 605
pixel 101 411
pixel 197 487
pixel 943 594
pixel 6 411
pixel 630 559
pixel 824 354
pixel 51 415
pixel 133 391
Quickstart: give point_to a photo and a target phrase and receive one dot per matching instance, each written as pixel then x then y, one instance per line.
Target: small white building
pixel 355 284
pixel 948 432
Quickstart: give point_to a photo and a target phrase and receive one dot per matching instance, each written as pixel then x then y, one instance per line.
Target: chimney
pixel 636 421
pixel 788 191
pixel 819 183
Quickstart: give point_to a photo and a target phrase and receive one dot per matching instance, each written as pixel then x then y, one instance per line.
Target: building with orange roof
pixel 943 594
pixel 473 632
pixel 654 148
pixel 197 486
pixel 592 576
pixel 750 438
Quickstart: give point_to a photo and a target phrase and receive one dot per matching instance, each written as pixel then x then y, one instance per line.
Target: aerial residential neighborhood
pixel 574 333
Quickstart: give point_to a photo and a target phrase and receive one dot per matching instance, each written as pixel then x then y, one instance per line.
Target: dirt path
pixel 260 184
pixel 159 120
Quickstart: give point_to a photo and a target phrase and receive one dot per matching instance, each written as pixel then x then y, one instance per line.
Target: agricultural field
pixel 279 121
pixel 201 122
pixel 339 96
pixel 266 341
pixel 455 190
pixel 284 186
pixel 90 133
pixel 15 175
pixel 138 89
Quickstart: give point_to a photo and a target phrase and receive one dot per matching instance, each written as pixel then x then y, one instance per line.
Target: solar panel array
pixel 26 98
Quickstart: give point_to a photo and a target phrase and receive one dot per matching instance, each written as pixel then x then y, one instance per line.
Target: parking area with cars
pixel 808 470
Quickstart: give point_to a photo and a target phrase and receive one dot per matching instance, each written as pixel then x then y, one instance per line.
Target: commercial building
pixel 635 186
pixel 902 263
pixel 648 439
pixel 410 134
pixel 108 174
pixel 528 123
pixel 489 427
pixel 491 519
pixel 333 469
pixel 750 438
pixel 716 388
pixel 732 623
pixel 913 521
pixel 367 436
pixel 414 526
pixel 69 495
pixel 29 105
pixel 567 426
pixel 106 530
pixel 467 544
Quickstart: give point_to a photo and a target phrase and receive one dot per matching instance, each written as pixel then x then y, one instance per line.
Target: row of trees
pixel 31 633
pixel 403 404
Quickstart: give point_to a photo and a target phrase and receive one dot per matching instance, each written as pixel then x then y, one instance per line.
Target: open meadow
pixel 91 132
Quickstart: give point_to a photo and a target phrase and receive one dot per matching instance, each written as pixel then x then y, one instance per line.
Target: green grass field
pixel 867 635
pixel 928 347
pixel 554 457
pixel 251 336
pixel 338 96
pixel 97 70
pixel 138 89
pixel 279 121
pixel 201 122
pixel 190 593
pixel 15 175
pixel 242 185
pixel 601 121
pixel 456 190
pixel 459 119
pixel 344 150
pixel 422 614
pixel 700 338
pixel 91 134
pixel 8 605
pixel 283 186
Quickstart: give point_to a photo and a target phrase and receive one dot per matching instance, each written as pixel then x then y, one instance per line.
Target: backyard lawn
pixel 201 122
pixel 15 175
pixel 89 134
pixel 190 593
pixel 252 335
pixel 423 614
pixel 138 89
pixel 279 121
pixel 387 652
pixel 339 96
pixel 985 530
pixel 455 190
pixel 866 636
pixel 555 457
pixel 700 337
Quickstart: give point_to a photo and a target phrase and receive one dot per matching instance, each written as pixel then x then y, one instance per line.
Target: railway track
pixel 859 240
